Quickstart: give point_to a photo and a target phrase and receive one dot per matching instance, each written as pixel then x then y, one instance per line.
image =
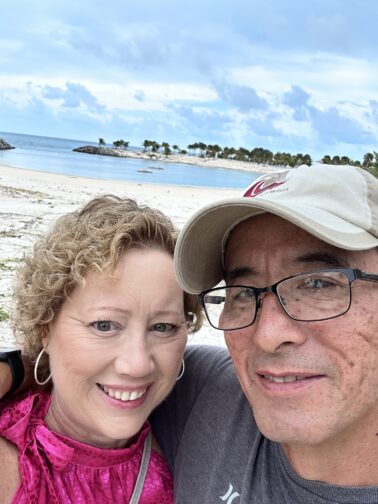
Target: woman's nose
pixel 133 355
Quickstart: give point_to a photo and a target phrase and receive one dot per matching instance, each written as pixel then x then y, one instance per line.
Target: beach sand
pixel 31 200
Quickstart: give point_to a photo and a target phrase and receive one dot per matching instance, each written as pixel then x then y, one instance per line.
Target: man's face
pixel 335 361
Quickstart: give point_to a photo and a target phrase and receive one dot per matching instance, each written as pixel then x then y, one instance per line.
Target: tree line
pixel 258 155
pixel 369 161
pixel 118 144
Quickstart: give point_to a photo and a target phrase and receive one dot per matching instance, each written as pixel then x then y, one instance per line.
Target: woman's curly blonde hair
pixel 91 238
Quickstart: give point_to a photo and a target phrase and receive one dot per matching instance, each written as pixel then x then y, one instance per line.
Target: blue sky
pixel 288 75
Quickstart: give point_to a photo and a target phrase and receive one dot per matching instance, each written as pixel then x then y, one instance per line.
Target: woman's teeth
pixel 123 395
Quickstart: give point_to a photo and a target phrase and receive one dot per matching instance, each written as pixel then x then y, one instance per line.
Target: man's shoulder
pixel 210 357
pixel 212 352
pixel 207 367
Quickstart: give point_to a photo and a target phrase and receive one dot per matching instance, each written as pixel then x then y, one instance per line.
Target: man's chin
pixel 296 422
pixel 290 430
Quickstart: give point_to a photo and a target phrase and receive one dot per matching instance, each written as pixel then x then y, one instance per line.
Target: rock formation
pixel 103 151
pixel 5 145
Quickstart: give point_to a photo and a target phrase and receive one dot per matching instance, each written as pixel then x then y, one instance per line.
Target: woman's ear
pixel 45 337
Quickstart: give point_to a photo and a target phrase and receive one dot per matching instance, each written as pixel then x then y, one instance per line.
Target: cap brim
pixel 198 254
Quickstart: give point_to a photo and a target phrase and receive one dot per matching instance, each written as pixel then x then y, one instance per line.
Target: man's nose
pixel 273 329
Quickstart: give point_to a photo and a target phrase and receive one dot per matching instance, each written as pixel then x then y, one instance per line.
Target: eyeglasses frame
pixel 352 275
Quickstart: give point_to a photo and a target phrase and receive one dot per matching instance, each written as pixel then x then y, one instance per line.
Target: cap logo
pixel 266 183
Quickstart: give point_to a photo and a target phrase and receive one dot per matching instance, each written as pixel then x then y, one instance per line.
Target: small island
pixel 101 151
pixel 5 145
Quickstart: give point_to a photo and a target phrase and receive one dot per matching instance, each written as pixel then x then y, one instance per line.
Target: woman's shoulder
pixel 14 418
pixel 17 414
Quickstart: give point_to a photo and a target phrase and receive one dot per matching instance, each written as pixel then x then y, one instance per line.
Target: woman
pixel 98 309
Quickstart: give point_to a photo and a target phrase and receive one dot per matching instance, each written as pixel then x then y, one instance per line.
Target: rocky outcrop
pixel 5 145
pixel 103 151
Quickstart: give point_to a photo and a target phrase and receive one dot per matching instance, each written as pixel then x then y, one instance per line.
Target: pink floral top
pixel 57 469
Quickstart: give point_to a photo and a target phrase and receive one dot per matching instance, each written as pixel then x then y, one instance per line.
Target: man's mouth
pixel 289 378
pixel 284 379
pixel 123 395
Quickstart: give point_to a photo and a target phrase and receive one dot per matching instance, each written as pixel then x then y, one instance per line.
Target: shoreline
pixel 93 181
pixel 31 200
pixel 230 164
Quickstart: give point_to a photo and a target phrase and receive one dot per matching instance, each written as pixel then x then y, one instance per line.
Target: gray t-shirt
pixel 216 452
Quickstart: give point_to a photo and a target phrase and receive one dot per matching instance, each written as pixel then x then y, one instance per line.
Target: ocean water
pixel 55 155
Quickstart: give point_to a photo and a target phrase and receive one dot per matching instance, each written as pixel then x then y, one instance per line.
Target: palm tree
pixel 307 160
pixel 368 160
pixel 101 143
pixel 155 146
pixel 202 148
pixel 210 151
pixel 232 152
pixel 166 148
pixel 175 148
pixel 217 150
pixel 121 143
pixel 146 144
pixel 344 160
pixel 191 148
pixel 242 154
pixel 226 152
pixel 326 159
pixel 283 159
pixel 195 147
pixel 373 166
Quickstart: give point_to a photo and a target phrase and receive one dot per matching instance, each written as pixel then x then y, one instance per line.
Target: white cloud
pixel 218 70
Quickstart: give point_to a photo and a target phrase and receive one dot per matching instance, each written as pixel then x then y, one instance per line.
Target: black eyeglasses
pixel 307 297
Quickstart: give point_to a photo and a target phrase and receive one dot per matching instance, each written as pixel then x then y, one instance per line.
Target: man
pixel 303 426
pixel 296 259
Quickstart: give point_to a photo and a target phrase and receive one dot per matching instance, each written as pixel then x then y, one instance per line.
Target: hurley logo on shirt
pixel 230 495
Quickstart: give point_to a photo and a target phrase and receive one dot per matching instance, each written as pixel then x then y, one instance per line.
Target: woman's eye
pixel 164 327
pixel 104 325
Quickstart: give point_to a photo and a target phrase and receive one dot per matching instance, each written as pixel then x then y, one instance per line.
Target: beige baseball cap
pixel 338 204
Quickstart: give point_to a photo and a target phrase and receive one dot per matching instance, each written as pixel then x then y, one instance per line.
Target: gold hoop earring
pixel 36 370
pixel 182 370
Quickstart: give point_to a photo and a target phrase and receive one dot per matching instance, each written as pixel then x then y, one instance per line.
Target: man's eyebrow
pixel 327 258
pixel 238 272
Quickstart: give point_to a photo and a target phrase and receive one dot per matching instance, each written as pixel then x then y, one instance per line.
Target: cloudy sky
pixel 292 75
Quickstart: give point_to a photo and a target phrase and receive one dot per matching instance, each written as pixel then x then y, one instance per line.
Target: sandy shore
pixel 30 201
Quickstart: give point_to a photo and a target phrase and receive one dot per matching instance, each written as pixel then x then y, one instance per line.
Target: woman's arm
pixel 6 377
pixel 9 473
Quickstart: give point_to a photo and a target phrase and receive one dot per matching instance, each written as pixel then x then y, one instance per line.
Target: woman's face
pixel 115 349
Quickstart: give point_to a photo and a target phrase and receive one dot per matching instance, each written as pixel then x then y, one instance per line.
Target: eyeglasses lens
pixel 306 297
